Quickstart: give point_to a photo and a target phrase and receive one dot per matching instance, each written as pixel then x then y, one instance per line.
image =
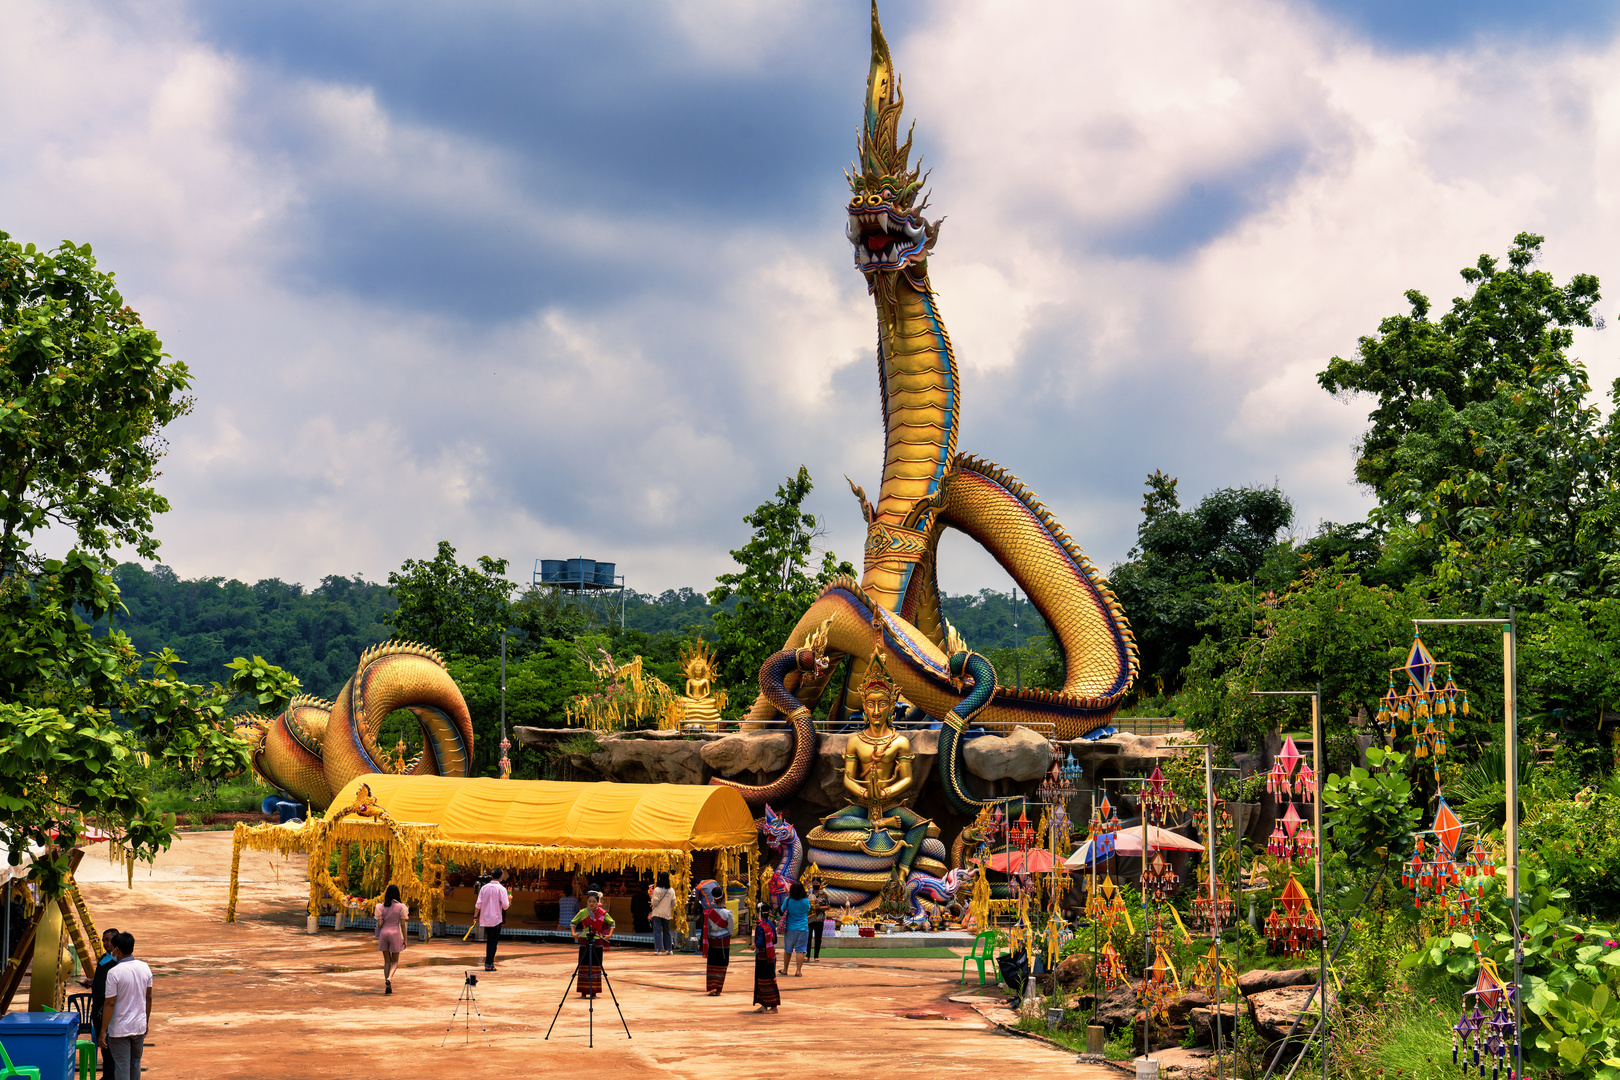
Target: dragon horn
pixel 881 152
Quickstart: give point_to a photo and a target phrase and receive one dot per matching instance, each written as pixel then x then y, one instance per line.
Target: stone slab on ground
pixel 259 998
pixel 1259 980
pixel 1202 1021
pixel 1273 1011
pixel 1179 1061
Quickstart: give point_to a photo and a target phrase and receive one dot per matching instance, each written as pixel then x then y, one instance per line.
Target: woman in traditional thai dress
pixel 390 916
pixel 592 927
pixel 719 923
pixel 766 994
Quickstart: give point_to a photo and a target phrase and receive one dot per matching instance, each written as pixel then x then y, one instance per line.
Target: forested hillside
pixel 318 634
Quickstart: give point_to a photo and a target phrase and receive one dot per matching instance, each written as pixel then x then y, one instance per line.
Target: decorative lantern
pixel 1110 968
pixel 1487 1028
pixel 1071 771
pixel 1158 801
pixel 1021 834
pixel 1159 880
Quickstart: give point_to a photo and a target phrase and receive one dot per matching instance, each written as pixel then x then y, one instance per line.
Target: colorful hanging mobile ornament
pixel 1427 704
pixel 1161 986
pixel 1158 801
pixel 1211 913
pixel 1277 844
pixel 1305 782
pixel 1278 782
pixel 1021 834
pixel 1487 1029
pixel 1212 974
pixel 1159 880
pixel 1110 968
pixel 1292 927
pixel 1105 906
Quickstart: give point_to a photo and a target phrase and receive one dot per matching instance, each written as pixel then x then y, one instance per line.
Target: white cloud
pixel 1307 179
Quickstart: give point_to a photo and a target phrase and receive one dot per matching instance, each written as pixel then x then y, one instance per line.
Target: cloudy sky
pixel 548 279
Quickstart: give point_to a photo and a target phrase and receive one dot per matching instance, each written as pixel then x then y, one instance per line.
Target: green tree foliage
pixel 1370 818
pixel 685 612
pixel 85 390
pixel 450 607
pixel 775 584
pixel 1328 628
pixel 1488 463
pixel 317 635
pixel 1169 581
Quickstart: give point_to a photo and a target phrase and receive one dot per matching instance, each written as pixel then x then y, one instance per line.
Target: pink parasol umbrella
pixel 1128 841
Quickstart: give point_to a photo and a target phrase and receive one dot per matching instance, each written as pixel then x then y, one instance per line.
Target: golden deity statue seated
pixel 879 779
pixel 702 703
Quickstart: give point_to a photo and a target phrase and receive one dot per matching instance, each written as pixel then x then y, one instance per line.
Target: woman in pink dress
pixel 390 917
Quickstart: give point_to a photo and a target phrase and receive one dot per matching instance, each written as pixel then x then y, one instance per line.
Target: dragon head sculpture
pixel 886 226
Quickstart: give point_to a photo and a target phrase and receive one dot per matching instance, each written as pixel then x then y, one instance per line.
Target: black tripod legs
pixel 561 1003
pixel 590 1004
pixel 609 984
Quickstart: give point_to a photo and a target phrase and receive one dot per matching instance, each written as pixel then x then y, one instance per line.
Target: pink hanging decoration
pixel 1305 843
pixel 1305 783
pixel 1291 821
pixel 1277 782
pixel 1290 756
pixel 1277 845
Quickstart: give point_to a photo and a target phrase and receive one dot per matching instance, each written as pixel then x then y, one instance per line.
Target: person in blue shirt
pixel 795 928
pixel 98 994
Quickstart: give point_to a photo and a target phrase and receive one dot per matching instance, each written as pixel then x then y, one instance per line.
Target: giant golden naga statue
pixel 314 748
pixel 928 487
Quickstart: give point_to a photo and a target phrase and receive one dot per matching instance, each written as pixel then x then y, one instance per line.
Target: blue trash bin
pixel 47 1041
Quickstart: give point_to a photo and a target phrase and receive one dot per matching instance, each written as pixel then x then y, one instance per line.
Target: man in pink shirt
pixel 493 900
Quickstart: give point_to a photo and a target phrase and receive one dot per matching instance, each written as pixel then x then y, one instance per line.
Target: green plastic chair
pixel 87 1060
pixel 28 1072
pixel 978 955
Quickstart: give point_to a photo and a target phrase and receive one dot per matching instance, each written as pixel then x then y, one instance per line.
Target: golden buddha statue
pixel 702 703
pixel 878 777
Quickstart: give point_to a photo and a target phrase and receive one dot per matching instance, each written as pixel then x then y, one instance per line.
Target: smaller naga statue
pixel 702 703
pixel 877 838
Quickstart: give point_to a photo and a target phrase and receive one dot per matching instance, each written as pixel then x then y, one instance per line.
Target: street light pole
pixel 1510 726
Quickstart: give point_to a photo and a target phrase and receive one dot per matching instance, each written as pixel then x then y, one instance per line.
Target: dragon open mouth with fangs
pixel 883 237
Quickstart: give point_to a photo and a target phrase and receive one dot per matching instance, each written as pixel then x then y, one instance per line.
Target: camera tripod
pixel 469 998
pixel 590 1001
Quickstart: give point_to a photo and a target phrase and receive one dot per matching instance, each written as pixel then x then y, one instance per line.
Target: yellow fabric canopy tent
pixel 429 821
pixel 550 813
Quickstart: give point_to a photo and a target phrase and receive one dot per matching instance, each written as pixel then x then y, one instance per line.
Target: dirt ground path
pixel 260 998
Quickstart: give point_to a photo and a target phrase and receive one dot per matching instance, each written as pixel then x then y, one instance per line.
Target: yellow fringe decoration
pixel 410 846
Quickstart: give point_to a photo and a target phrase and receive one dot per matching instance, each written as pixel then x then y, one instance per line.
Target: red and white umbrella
pixel 1034 861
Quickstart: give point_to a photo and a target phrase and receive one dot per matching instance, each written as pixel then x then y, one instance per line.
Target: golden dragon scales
pixel 928 487
pixel 314 748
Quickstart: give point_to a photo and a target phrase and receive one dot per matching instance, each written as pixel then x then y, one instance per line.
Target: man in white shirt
pixel 493 900
pixel 127 1011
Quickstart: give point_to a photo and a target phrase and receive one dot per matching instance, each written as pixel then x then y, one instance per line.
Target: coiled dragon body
pixel 315 747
